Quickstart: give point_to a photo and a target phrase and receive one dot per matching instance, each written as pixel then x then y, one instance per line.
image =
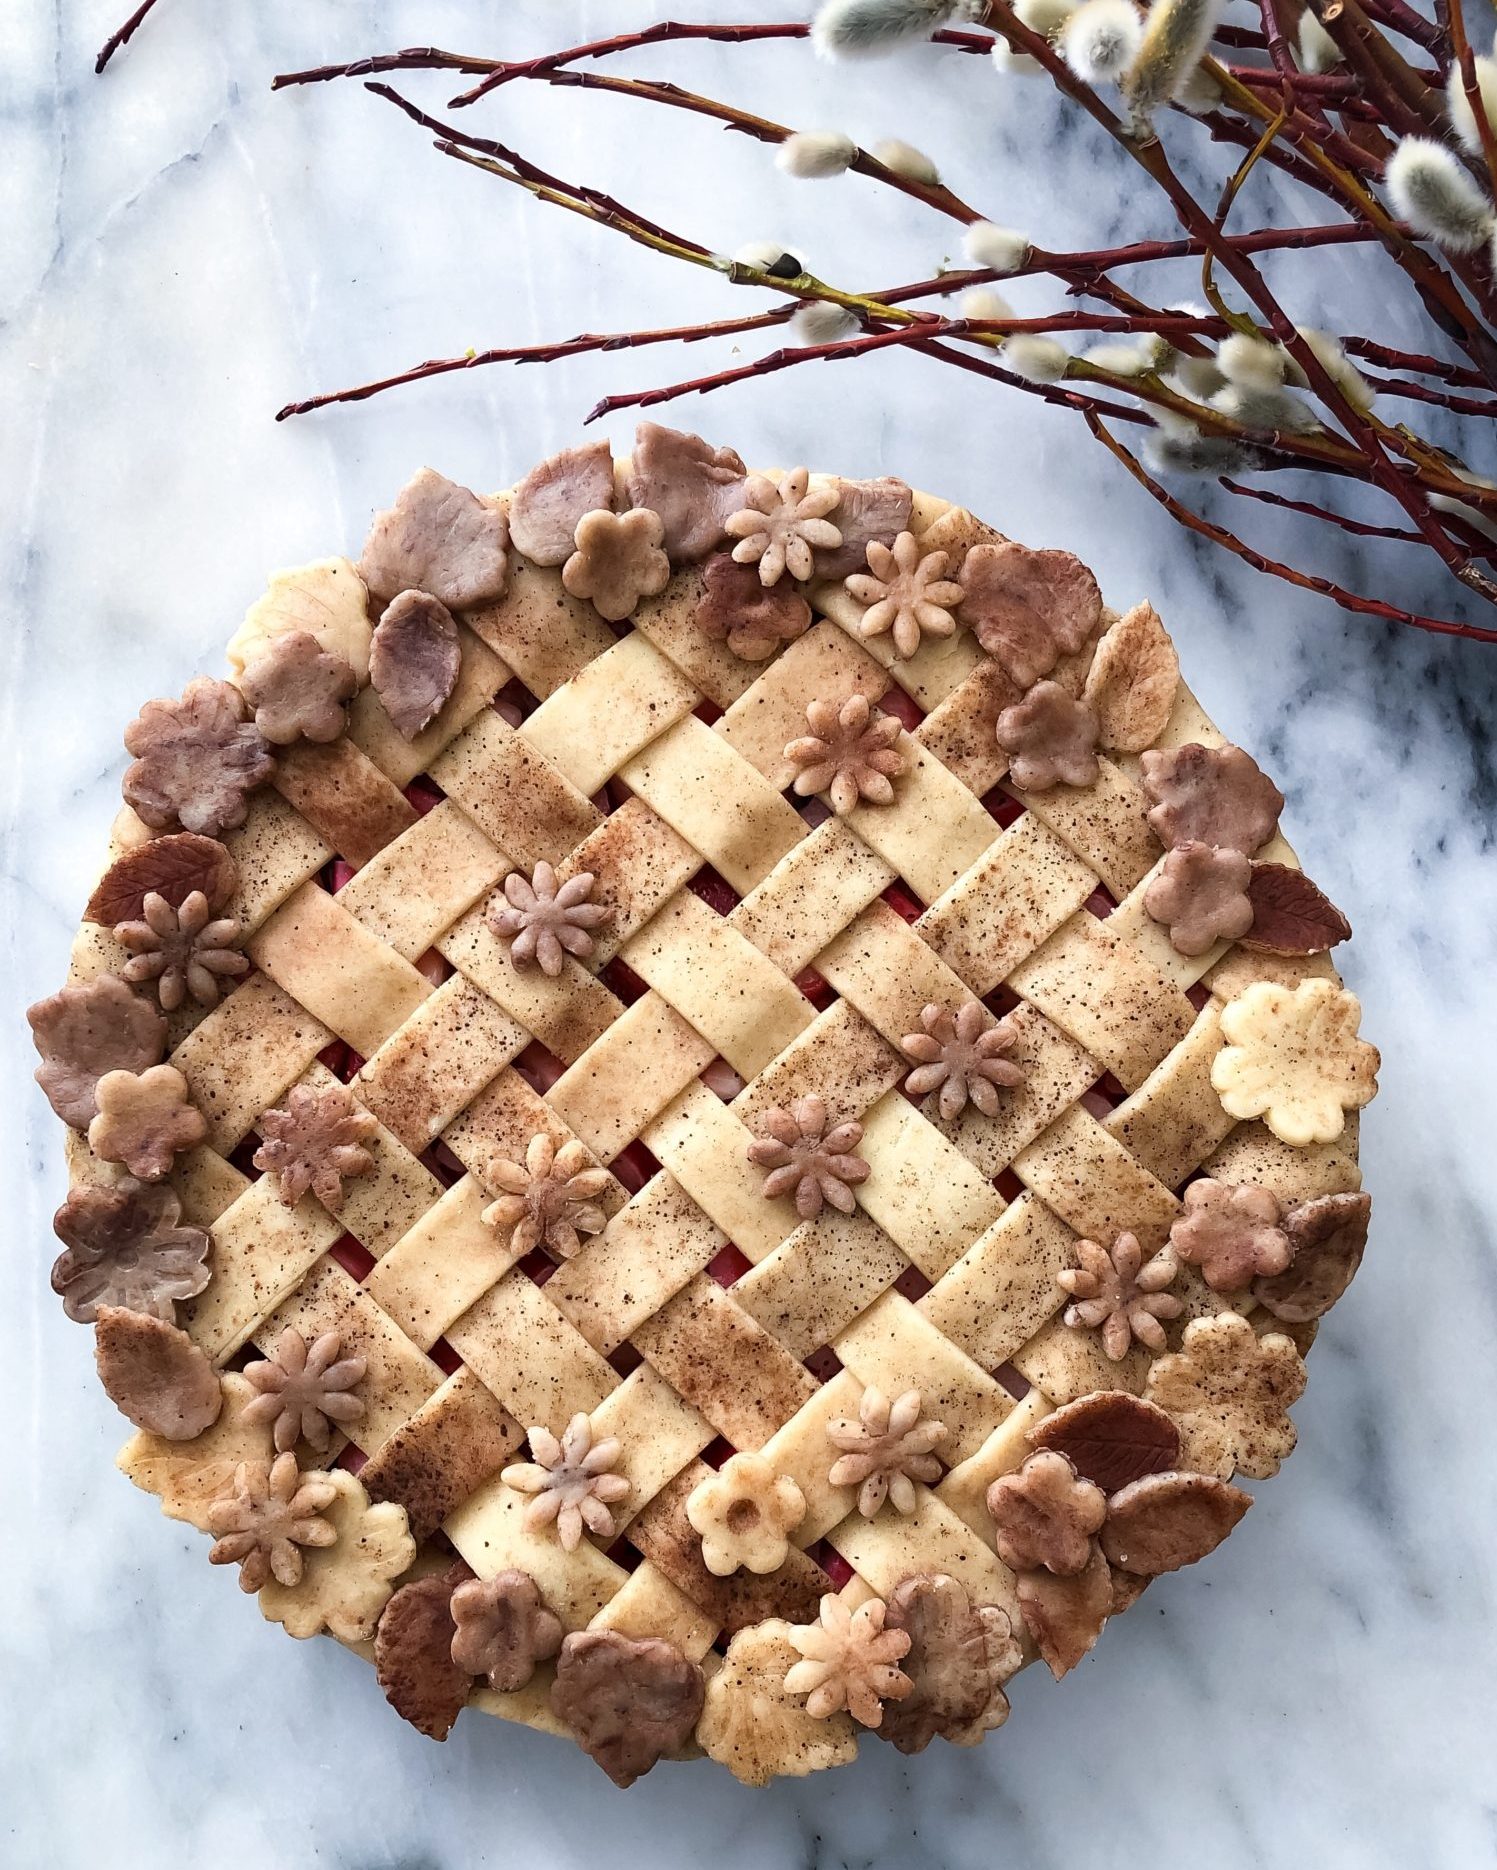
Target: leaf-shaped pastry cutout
pixel 1164 1521
pixel 1065 1615
pixel 155 1375
pixel 1110 1438
pixel 415 660
pixel 1133 680
pixel 546 506
pixel 1328 1237
pixel 413 1653
pixel 172 868
pixel 1291 915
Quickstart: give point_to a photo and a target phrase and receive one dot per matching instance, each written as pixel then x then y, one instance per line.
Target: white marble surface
pixel 180 252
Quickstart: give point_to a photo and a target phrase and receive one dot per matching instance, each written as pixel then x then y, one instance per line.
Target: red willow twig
pixel 122 35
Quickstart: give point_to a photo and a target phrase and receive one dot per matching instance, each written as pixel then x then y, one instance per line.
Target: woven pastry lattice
pixel 759 949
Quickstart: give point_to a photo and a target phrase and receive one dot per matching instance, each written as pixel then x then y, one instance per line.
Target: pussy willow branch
pixel 122 35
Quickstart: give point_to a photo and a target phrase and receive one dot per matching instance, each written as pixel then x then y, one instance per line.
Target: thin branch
pixel 122 35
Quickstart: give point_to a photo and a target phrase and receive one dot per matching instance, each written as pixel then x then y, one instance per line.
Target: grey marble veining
pixel 179 253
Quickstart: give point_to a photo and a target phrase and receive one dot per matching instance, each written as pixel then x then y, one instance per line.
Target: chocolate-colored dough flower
pixel 961 1055
pixel 804 1156
pixel 181 951
pixel 126 1246
pixel 544 921
pixel 197 760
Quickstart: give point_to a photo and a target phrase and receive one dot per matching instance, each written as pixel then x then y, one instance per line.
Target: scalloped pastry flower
pixel 319 1141
pixel 750 1725
pixel 1232 1232
pixel 303 1389
pixel 344 1586
pixel 269 1513
pixel 570 1480
pixel 299 690
pixel 804 1156
pixel 961 1055
pixel 197 760
pixel 1230 1391
pixel 850 754
pixel 618 561
pixel 502 1628
pixel 542 920
pixel 1292 1057
pixel 780 525
pixel 145 1120
pixel 908 594
pixel 553 1198
pixel 745 1513
pixel 181 951
pixel 1045 1517
pixel 1116 1291
pixel 885 1451
pixel 1201 896
pixel 126 1246
pixel 1050 738
pixel 960 1656
pixel 849 1661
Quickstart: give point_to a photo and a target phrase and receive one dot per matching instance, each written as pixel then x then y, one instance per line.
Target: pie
pixel 703 1110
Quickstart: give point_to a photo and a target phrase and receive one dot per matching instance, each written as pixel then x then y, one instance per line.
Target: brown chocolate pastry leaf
pixel 868 511
pixel 84 1032
pixel 126 1247
pixel 415 658
pixel 1126 1591
pixel 1065 1615
pixel 628 1702
pixel 1028 608
pixel 503 1628
pixel 441 538
pixel 691 485
pixel 172 868
pixel 413 1653
pixel 1164 1521
pixel 155 1375
pixel 1110 1438
pixel 1328 1237
pixel 546 506
pixel 1291 915
pixel 1133 680
pixel 196 761
pixel 737 608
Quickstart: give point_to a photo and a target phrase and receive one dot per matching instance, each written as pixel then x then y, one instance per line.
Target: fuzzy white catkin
pixel 1318 51
pixel 815 154
pixel 1003 249
pixel 1185 450
pixel 1176 33
pixel 1432 192
pixel 864 28
pixel 769 256
pixel 1134 357
pixel 1035 358
pixel 981 302
pixel 1257 406
pixel 1462 116
pixel 1045 17
pixel 1334 361
pixel 1196 376
pixel 820 322
pixel 1251 362
pixel 904 159
pixel 1101 39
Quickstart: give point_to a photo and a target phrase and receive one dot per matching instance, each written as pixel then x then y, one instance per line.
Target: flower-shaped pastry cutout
pixel 1292 1057
pixel 885 1451
pixel 145 1120
pixel 1050 738
pixel 960 1656
pixel 415 658
pixel 1028 607
pixel 750 1725
pixel 629 1701
pixel 155 1375
pixel 735 608
pixel 619 559
pixel 85 1031
pixel 1232 1232
pixel 503 1628
pixel 1045 1516
pixel 804 1156
pixel 319 1140
pixel 1230 1391
pixel 299 690
pixel 908 594
pixel 551 1199
pixel 181 951
pixel 961 1055
pixel 126 1247
pixel 544 921
pixel 780 526
pixel 197 760
pixel 1210 795
pixel 571 1482
pixel 850 754
pixel 1117 1292
pixel 344 1586
pixel 1201 896
pixel 303 1389
pixel 269 1513
pixel 849 1661
pixel 745 1513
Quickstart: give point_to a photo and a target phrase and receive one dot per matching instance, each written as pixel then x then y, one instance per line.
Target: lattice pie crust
pixel 627 699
